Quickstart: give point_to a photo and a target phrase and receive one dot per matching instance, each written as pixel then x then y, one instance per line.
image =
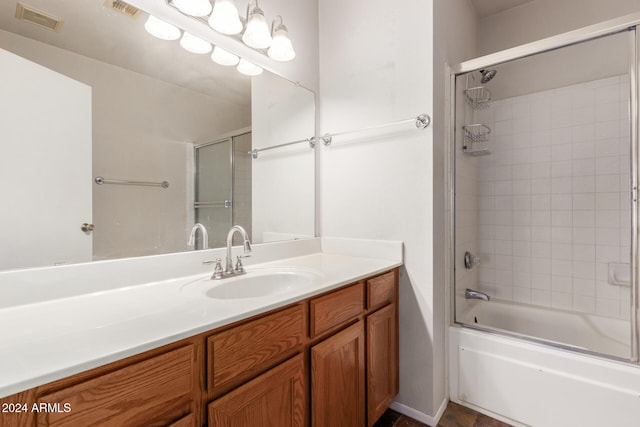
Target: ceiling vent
pixel 123 7
pixel 35 16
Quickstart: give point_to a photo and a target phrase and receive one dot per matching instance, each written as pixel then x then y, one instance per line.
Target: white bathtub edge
pixel 527 382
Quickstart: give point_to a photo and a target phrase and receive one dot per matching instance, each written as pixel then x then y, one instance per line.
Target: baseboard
pixel 420 416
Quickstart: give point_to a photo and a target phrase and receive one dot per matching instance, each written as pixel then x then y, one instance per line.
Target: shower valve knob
pixel 470 260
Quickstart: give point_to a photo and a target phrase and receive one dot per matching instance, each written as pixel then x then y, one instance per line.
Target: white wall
pixel 380 187
pixel 142 129
pixel 545 18
pixel 376 66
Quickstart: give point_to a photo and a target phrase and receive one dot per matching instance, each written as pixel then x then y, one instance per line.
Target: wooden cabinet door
pixel 382 361
pixel 274 399
pixel 338 379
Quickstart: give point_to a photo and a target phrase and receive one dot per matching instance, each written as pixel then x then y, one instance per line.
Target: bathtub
pixel 583 332
pixel 527 383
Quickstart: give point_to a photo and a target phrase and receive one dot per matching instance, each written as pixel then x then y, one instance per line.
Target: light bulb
pixel 247 68
pixel 257 34
pixel 160 29
pixel 193 7
pixel 281 48
pixel 223 57
pixel 224 18
pixel 195 44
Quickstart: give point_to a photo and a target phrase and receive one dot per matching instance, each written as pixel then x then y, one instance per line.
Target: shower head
pixel 487 75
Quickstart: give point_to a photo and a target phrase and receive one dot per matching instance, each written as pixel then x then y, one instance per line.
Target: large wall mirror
pixel 167 133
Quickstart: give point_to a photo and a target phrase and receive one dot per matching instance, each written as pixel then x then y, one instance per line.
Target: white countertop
pixel 47 340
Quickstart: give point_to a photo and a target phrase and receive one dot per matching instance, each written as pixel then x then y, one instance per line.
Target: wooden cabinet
pixel 338 379
pixel 334 309
pixel 382 290
pixel 331 360
pixel 155 392
pixel 242 352
pixel 382 344
pixel 188 421
pixel 275 398
pixel 362 357
pixel 382 361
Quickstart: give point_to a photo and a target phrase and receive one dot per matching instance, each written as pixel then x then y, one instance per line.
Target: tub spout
pixel 471 294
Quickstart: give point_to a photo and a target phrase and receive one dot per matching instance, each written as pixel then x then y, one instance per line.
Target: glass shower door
pixel 543 201
pixel 214 190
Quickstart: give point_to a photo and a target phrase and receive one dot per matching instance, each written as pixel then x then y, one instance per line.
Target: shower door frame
pixel 230 200
pixel 628 23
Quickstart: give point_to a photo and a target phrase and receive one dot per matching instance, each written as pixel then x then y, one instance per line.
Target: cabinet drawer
pixel 154 392
pixel 336 308
pixel 381 290
pixel 242 352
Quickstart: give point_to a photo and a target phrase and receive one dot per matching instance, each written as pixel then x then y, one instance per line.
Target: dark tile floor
pixel 454 416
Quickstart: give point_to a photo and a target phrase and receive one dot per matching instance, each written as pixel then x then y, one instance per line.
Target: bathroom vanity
pixel 327 358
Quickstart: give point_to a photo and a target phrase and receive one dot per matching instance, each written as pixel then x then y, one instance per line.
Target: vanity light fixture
pixel 281 48
pixel 193 7
pixel 223 57
pixel 256 33
pixel 162 30
pixel 248 68
pixel 224 18
pixel 195 44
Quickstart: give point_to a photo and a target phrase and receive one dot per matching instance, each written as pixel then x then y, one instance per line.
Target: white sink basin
pixel 256 284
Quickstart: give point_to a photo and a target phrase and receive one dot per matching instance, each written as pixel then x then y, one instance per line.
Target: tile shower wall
pixel 554 202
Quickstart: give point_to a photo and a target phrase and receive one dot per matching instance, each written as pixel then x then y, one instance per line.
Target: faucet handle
pixel 239 267
pixel 217 270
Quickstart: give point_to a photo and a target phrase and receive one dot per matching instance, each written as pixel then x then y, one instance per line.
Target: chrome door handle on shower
pixel 470 260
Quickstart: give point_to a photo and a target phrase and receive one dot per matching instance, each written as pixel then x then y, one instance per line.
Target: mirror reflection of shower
pixel 222 187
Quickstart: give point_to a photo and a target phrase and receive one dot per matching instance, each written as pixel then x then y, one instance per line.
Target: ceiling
pixel 485 8
pixel 91 28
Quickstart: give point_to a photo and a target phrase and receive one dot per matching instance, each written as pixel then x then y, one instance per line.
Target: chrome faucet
pixel 192 236
pixel 229 269
pixel 471 294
